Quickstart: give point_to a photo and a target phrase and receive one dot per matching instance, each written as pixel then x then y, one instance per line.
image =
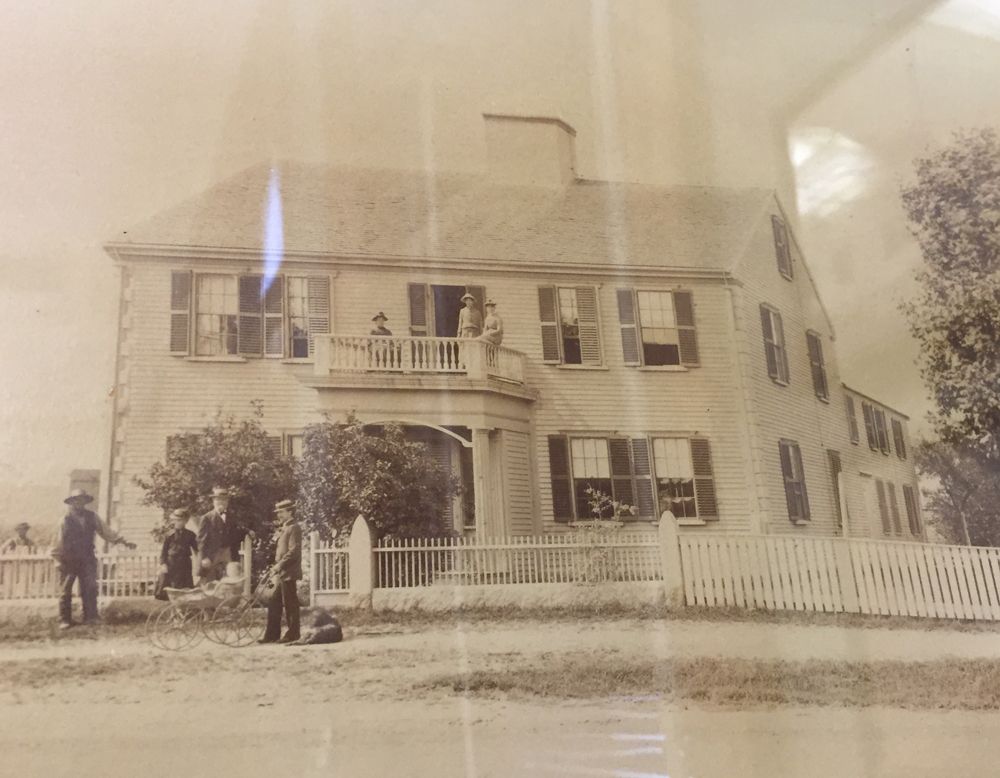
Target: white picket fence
pixel 329 567
pixel 888 578
pixel 34 576
pixel 565 558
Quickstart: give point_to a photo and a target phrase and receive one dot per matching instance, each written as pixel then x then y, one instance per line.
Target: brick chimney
pixel 530 150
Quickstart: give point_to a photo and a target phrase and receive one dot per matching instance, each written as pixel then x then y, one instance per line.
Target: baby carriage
pixel 217 610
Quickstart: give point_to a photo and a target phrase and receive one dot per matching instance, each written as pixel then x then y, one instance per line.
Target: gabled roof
pixel 392 213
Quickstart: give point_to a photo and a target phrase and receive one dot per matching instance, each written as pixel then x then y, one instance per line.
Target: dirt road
pixel 117 707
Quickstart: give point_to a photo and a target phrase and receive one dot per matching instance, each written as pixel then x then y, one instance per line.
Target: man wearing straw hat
pixel 288 570
pixel 76 558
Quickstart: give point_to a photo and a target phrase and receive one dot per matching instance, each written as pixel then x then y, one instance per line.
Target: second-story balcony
pixel 475 360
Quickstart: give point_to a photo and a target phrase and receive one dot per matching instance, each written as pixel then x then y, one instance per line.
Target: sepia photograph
pixel 481 389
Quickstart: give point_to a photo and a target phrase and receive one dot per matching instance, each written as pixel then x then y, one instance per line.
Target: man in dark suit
pixel 288 570
pixel 219 537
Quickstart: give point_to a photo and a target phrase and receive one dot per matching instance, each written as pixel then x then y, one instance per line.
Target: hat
pixel 468 296
pixel 284 505
pixel 180 513
pixel 490 302
pixel 218 491
pixel 23 524
pixel 381 316
pixel 78 495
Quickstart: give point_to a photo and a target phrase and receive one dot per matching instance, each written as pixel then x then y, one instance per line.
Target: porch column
pixel 487 482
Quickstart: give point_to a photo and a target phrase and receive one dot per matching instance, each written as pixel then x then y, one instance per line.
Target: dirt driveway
pixel 118 707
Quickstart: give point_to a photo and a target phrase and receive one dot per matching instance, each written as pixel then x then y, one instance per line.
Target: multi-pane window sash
pixel 852 419
pixel 793 475
pixel 883 506
pixel 781 246
pixel 912 518
pixel 775 354
pixel 657 327
pixel 815 348
pixel 570 327
pixel 897 438
pixel 653 475
pixel 881 432
pixel 215 314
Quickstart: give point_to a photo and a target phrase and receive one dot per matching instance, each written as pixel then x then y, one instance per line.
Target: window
pixel 570 331
pixel 657 328
pixel 815 348
pixel 897 527
pixel 796 497
pixel 246 315
pixel 774 344
pixel 833 459
pixel 897 438
pixel 293 446
pixel 677 477
pixel 852 419
pixel 875 429
pixel 883 507
pixel 781 247
pixel 912 518
pixel 216 312
pixel 435 308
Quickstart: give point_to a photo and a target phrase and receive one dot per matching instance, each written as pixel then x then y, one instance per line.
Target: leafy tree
pixel 966 494
pixel 350 469
pixel 232 453
pixel 954 211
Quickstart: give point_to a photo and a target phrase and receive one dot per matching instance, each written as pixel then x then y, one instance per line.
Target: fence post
pixel 362 562
pixel 313 567
pixel 247 565
pixel 670 559
pixel 842 556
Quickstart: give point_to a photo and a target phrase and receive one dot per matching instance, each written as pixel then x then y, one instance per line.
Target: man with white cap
pixel 76 558
pixel 288 570
pixel 470 320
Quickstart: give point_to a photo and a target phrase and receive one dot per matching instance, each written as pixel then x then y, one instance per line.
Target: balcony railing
pixel 475 359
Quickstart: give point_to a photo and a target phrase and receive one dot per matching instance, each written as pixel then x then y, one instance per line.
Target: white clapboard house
pixel 665 344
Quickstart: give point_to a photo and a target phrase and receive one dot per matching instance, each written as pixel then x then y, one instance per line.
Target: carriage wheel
pixel 176 628
pixel 237 622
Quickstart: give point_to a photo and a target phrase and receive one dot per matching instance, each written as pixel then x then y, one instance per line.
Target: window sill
pixel 691 523
pixel 800 522
pixel 297 361
pixel 230 358
pixel 825 400
pixel 662 369
pixel 582 367
pixel 778 381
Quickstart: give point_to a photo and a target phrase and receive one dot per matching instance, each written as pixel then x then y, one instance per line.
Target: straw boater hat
pixel 79 496
pixel 468 296
pixel 490 304
pixel 381 316
pixel 283 505
pixel 180 513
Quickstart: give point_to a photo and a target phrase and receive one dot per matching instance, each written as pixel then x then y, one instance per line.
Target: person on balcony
pixel 76 558
pixel 470 320
pixel 492 325
pixel 380 328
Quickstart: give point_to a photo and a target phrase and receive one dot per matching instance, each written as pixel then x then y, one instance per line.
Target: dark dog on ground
pixel 324 629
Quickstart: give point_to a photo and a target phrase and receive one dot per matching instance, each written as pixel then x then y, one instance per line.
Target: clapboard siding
pixel 793 411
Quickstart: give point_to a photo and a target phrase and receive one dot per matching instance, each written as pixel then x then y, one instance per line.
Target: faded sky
pixel 112 111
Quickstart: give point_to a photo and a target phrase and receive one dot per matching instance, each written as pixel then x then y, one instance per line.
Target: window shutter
pixel 180 312
pixel 250 337
pixel 802 484
pixel 548 315
pixel 686 336
pixel 704 479
pixel 882 508
pixel 909 498
pixel 833 457
pixel 274 445
pixel 417 294
pixel 590 339
pixel 781 248
pixel 866 411
pixel 645 502
pixel 880 430
pixel 629 326
pixel 318 289
pixel 274 318
pixel 791 458
pixel 562 494
pixel 897 438
pixel 852 419
pixel 770 353
pixel 894 508
pixel 815 347
pixel 620 452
